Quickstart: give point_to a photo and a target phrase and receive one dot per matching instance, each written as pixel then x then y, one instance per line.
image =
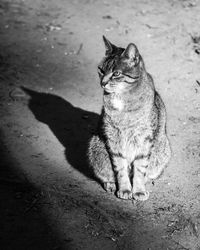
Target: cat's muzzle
pixel 104 83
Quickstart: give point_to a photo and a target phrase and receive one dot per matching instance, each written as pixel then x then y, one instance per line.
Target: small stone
pixel 85 117
pixel 107 17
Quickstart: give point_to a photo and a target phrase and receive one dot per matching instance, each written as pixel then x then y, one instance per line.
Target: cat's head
pixel 121 68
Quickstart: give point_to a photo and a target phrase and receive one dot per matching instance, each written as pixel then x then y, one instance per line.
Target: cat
pixel 130 145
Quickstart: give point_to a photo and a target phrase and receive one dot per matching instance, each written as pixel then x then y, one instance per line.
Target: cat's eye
pixel 117 73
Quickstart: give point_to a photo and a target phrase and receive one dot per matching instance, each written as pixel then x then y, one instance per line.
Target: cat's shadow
pixel 72 126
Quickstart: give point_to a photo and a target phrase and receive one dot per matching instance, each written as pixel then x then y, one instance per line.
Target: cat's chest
pixel 132 142
pixel 117 103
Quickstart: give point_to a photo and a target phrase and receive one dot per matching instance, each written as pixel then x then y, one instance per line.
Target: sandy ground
pixel 50 100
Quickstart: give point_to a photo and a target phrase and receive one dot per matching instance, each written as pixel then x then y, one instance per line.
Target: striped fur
pixel 130 145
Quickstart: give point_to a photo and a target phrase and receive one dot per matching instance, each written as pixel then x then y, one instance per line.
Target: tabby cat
pixel 130 146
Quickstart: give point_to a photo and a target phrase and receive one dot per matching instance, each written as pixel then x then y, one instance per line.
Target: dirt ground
pixel 50 100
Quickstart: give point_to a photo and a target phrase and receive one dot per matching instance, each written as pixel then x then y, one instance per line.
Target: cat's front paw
pixel 141 195
pixel 125 194
pixel 110 187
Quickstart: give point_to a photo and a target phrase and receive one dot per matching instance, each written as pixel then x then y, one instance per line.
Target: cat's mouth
pixel 109 87
pixel 108 91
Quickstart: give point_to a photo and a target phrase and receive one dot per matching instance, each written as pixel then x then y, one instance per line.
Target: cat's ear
pixel 110 48
pixel 131 52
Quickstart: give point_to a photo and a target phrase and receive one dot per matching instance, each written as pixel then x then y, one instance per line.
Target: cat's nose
pixel 106 79
pixel 103 83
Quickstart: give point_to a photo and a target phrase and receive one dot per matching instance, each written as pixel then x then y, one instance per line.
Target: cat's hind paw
pixel 141 195
pixel 110 187
pixel 124 194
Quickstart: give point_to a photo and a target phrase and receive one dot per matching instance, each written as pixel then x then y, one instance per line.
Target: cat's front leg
pixel 123 181
pixel 139 179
